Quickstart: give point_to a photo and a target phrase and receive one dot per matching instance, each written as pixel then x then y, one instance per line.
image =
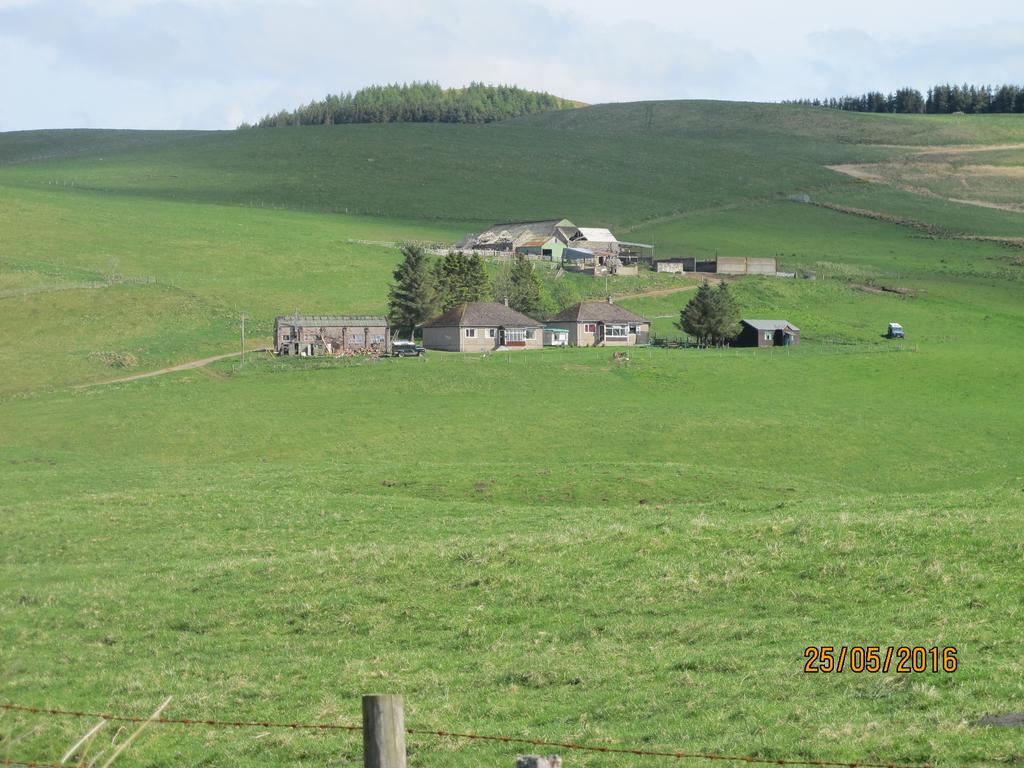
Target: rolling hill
pixel 558 545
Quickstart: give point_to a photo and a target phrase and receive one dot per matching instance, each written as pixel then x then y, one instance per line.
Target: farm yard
pixel 557 544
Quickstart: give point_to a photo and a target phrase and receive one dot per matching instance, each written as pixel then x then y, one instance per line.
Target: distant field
pixel 554 545
pixel 607 165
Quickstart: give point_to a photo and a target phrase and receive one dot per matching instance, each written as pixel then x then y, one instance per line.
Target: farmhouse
pixel 602 323
pixel 767 333
pixel 482 326
pixel 309 335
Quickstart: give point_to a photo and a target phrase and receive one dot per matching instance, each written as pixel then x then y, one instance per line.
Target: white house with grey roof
pixel 482 326
pixel 602 323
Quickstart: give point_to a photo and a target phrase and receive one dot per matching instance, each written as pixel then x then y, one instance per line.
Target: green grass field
pixel 552 545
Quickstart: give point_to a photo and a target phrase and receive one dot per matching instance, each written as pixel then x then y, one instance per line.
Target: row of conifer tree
pixel 939 100
pixel 418 103
pixel 424 287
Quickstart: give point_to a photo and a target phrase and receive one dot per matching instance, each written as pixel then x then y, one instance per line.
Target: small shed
pixel 681 265
pixel 767 333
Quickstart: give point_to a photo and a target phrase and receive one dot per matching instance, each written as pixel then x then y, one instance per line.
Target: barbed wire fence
pixel 384 734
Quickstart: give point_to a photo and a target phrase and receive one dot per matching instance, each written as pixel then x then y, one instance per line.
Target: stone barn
pixel 311 335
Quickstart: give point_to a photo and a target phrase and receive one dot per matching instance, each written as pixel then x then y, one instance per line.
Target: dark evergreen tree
pixel 419 103
pixel 728 313
pixel 411 298
pixel 524 286
pixel 460 278
pixel 711 316
pixel 940 100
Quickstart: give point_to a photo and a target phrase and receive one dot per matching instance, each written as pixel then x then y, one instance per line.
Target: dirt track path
pixel 946 149
pixel 191 365
pixel 665 291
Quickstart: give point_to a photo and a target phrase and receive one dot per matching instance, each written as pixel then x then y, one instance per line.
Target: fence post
pixel 383 732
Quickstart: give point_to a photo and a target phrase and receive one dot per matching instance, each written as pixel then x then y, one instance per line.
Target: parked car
pixel 895 331
pixel 406 349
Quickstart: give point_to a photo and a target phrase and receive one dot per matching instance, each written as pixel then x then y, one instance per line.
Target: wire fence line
pixel 467 736
pixel 181 720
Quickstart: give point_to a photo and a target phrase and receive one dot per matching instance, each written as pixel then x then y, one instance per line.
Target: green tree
pixel 459 278
pixel 562 294
pixel 524 286
pixel 411 297
pixel 711 316
pixel 728 313
pixel 420 103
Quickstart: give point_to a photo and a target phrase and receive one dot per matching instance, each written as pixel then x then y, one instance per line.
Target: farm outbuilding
pixel 678 265
pixel 309 335
pixel 602 323
pixel 722 265
pixel 482 326
pixel 537 239
pixel 543 247
pixel 767 333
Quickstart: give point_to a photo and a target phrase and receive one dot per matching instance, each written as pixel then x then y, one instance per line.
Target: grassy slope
pixel 616 554
pixel 600 165
pixel 692 550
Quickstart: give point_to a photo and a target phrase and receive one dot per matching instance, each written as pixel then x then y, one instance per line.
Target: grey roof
pixel 330 320
pixel 597 312
pixel 577 253
pixel 770 325
pixel 486 314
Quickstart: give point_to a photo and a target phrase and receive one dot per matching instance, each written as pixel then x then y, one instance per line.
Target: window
pixel 515 334
pixel 470 333
pixel 530 333
pixel 767 335
pixel 376 339
pixel 616 331
pixel 492 332
pixel 590 328
pixel 634 329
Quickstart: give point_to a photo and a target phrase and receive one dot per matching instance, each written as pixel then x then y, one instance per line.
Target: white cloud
pixel 211 63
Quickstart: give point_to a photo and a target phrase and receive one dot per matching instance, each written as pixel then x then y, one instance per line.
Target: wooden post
pixel 383 732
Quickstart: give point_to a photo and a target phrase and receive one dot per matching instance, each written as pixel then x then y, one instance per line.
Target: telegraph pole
pixel 242 350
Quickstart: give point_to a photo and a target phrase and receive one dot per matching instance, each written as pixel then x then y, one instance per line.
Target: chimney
pixel 506 301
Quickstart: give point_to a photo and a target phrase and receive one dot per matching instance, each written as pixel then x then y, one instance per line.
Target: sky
pixel 215 63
